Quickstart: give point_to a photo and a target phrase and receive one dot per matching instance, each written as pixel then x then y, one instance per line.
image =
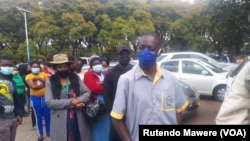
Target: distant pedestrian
pixel 94 81
pixel 24 69
pixel 110 84
pixel 48 67
pixel 20 89
pixel 78 67
pixel 105 66
pixel 36 83
pixel 228 57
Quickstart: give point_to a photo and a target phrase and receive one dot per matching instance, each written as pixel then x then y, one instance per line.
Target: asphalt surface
pixel 25 131
pixel 205 115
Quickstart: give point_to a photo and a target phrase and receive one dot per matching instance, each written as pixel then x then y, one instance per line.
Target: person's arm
pixel 42 77
pixel 32 85
pixel 108 91
pixel 121 129
pixel 91 82
pixel 55 103
pixel 17 105
pixel 179 117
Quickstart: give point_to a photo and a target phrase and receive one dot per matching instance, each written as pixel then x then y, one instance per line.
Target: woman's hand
pixel 74 101
pixel 80 105
pixel 99 82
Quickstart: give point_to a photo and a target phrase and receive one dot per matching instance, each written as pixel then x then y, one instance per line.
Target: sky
pixel 190 1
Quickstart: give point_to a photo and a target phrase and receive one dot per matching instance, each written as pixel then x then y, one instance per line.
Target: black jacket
pixel 110 85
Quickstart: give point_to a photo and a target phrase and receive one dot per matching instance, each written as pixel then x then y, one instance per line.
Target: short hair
pixel 71 58
pixel 34 62
pixel 155 35
pixel 80 59
pixel 105 60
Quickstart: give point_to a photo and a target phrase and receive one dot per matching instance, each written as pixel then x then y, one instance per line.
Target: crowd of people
pixel 56 92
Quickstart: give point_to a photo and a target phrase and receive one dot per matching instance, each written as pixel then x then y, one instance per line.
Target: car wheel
pixel 219 93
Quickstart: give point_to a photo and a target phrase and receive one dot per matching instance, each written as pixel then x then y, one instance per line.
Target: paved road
pixel 206 115
pixel 25 132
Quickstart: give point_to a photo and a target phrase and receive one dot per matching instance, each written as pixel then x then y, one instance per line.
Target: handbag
pixel 94 109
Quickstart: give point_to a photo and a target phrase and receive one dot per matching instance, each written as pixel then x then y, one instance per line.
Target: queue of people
pixel 59 95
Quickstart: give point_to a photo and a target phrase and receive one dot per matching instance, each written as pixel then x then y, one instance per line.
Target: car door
pixel 172 66
pixel 196 75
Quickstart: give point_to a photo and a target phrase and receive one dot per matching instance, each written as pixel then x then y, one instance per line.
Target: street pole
pixel 24 11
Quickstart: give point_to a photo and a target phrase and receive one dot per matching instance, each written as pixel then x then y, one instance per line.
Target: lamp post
pixel 24 11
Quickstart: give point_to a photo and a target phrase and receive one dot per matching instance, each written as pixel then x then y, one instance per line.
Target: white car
pixel 85 60
pixel 206 78
pixel 196 55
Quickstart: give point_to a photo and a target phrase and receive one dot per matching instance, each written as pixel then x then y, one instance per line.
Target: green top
pixel 20 86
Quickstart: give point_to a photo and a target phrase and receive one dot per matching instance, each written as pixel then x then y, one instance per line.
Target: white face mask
pixel 6 70
pixel 105 69
pixel 97 68
pixel 35 70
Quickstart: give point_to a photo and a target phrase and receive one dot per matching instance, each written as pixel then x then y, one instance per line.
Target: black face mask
pixel 78 69
pixel 63 73
pixel 124 61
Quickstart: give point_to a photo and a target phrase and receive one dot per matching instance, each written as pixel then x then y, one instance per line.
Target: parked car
pixel 85 60
pixel 231 75
pixel 193 98
pixel 192 95
pixel 196 55
pixel 206 78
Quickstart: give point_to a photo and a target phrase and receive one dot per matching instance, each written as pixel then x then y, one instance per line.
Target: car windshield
pixel 212 67
pixel 213 61
pixel 159 58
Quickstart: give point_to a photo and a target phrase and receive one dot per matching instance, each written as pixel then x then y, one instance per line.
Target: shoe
pixel 40 138
pixel 33 127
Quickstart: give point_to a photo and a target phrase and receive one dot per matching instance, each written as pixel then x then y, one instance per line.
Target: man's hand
pixel 19 120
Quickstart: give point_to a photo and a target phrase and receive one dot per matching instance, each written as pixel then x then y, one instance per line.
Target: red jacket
pixel 91 81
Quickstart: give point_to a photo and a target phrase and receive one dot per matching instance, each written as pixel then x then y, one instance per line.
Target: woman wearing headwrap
pixel 93 79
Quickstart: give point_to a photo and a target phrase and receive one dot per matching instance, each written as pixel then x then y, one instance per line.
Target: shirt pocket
pixel 167 101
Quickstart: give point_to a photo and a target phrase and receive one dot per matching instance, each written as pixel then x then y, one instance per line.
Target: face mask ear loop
pixel 159 52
